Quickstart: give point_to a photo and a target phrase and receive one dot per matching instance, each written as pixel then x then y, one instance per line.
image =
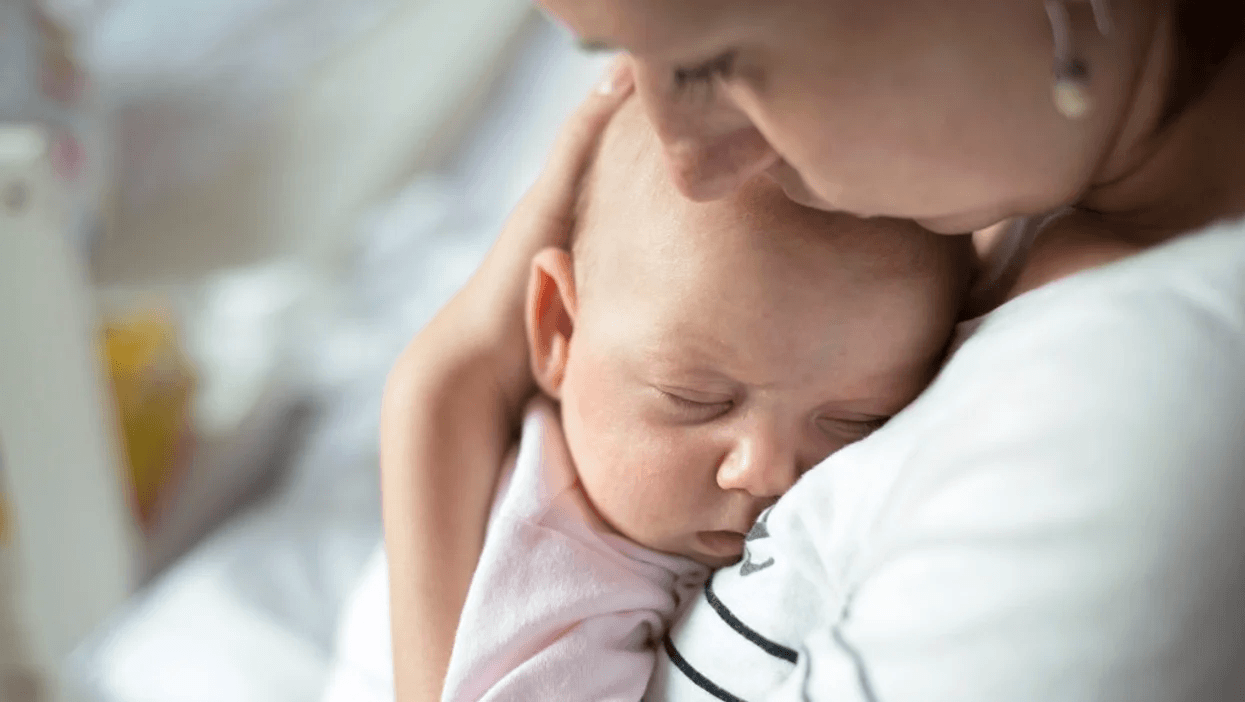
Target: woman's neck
pixel 1167 176
pixel 1174 174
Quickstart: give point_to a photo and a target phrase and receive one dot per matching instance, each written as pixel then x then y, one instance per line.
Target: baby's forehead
pixel 634 219
pixel 630 200
pixel 629 160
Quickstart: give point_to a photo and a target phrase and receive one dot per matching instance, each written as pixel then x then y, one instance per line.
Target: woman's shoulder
pixel 1176 284
pixel 1164 324
pixel 1119 386
pixel 1104 409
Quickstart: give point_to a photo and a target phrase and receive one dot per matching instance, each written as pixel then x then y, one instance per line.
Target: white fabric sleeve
pixel 1071 524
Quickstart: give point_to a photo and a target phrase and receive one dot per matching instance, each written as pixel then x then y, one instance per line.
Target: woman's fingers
pixel 542 218
pixel 553 195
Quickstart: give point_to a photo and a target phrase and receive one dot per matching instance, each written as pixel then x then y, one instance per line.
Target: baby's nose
pixel 761 466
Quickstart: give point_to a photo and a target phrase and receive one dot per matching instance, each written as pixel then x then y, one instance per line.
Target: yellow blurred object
pixel 153 384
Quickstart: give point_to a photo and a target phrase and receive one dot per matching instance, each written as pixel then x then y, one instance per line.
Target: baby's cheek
pixel 637 488
pixel 641 476
pixel 605 456
pixel 626 480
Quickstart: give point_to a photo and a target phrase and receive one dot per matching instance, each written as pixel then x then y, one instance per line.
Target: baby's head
pixel 707 354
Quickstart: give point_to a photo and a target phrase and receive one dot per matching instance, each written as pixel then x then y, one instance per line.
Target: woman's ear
pixel 551 308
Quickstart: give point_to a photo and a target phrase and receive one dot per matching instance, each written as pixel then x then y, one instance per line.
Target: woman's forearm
pixel 450 407
pixel 445 429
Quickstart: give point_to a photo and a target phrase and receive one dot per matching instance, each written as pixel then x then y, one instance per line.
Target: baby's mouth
pixel 722 543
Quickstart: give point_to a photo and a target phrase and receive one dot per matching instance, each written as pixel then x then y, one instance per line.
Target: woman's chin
pixel 963 223
pixel 795 189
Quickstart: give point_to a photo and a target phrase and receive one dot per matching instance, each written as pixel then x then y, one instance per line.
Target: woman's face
pixel 934 110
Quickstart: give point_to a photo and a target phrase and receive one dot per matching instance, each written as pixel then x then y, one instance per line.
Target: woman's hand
pixel 452 403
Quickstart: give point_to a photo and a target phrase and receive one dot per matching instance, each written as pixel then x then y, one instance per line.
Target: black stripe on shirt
pixel 695 675
pixel 774 649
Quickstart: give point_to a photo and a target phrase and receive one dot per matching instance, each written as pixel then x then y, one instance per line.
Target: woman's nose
pixel 714 166
pixel 711 146
pixel 761 465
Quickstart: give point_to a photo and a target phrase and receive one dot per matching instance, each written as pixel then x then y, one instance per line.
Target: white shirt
pixel 1058 517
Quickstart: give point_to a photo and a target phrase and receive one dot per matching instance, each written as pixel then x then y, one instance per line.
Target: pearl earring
pixel 1071 89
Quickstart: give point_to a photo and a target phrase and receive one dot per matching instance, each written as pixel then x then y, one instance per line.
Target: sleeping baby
pixel 695 359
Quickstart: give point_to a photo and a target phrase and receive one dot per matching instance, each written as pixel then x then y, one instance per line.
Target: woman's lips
pixel 722 543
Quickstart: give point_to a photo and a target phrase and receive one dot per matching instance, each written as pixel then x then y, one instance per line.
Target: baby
pixel 695 359
pixel 702 357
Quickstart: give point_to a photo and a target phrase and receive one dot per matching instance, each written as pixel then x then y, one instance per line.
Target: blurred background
pixel 220 221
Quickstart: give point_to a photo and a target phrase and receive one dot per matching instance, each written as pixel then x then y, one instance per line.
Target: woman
pixel 959 114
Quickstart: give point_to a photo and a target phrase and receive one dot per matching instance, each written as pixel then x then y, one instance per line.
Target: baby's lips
pixel 722 543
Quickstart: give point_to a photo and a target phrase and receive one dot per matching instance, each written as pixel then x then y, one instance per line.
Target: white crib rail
pixel 75 540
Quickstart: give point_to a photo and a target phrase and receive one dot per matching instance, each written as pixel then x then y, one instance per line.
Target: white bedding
pixel 251 613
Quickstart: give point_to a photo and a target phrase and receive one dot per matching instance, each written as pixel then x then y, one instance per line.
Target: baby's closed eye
pixel 850 428
pixel 694 406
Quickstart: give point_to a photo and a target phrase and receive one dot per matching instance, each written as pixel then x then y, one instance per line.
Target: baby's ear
pixel 551 306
